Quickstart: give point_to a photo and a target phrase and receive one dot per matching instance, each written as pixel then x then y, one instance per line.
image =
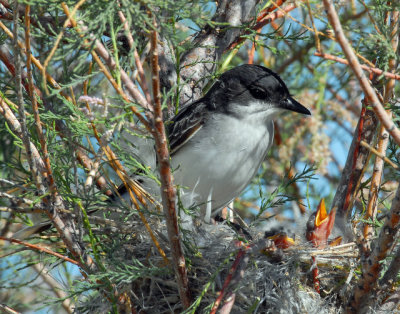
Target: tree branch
pixel 356 67
pixel 363 66
pixel 167 183
pixel 199 62
pixel 353 170
pixel 368 282
pixel 383 142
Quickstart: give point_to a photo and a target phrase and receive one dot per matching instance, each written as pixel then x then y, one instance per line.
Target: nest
pixel 266 280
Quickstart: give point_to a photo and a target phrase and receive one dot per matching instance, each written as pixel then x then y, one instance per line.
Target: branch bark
pixel 383 142
pixel 353 170
pixel 167 183
pixel 201 61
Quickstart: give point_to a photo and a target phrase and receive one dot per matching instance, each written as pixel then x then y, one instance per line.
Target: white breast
pixel 220 160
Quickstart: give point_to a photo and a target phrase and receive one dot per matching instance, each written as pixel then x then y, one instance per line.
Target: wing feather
pixel 186 124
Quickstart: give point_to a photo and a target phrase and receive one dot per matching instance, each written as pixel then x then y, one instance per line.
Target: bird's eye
pixel 258 92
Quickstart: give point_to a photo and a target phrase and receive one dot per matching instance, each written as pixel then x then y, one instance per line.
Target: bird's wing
pixel 180 129
pixel 186 124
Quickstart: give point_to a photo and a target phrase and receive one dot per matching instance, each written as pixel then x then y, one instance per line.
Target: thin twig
pixel 326 34
pixel 139 66
pixel 363 66
pixel 57 42
pixel 43 271
pixel 264 12
pixel 264 21
pixel 6 58
pixel 168 191
pixel 38 248
pixel 371 17
pixel 16 199
pixel 379 154
pixel 317 41
pixel 15 127
pixel 64 226
pixel 46 159
pixel 373 99
pixel 35 61
pixel 81 156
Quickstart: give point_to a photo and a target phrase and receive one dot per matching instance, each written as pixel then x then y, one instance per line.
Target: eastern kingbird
pixel 218 142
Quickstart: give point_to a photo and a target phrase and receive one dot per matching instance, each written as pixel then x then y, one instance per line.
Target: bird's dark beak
pixel 293 105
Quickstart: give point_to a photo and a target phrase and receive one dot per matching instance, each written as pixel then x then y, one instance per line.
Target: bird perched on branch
pixel 218 142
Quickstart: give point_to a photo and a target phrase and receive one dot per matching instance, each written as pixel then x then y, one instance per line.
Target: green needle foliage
pixel 125 262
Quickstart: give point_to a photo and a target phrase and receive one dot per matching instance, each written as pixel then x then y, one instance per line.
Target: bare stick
pixel 167 183
pixel 356 67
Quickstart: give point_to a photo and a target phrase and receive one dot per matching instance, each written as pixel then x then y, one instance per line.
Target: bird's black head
pixel 246 83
